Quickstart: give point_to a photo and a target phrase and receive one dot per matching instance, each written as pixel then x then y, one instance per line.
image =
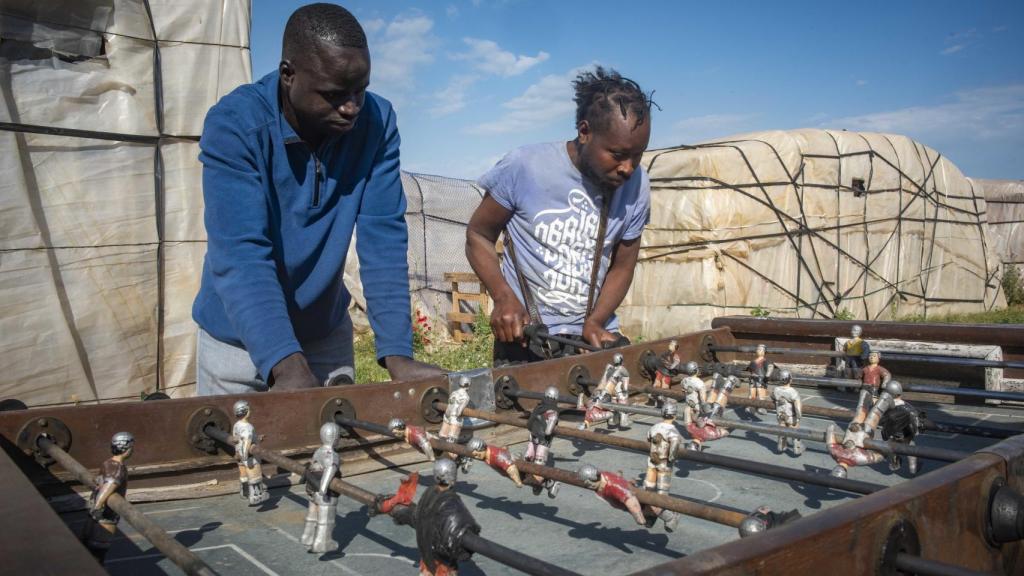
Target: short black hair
pixel 600 92
pixel 320 22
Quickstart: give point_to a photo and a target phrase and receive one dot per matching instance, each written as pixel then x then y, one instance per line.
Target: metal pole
pixel 627 408
pixel 768 470
pixel 403 514
pixel 847 414
pixel 811 435
pixel 530 332
pixel 848 383
pixel 910 564
pixel 174 551
pixel 705 511
pixel 898 356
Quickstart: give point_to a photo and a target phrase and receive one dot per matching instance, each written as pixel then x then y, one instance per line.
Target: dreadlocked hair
pixel 601 92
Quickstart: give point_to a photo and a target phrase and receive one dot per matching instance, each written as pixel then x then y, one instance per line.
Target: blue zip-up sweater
pixel 279 221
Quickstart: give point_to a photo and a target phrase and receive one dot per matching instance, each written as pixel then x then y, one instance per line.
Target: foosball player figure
pixel 414 436
pixel 541 425
pixel 496 457
pixel 385 503
pixel 852 451
pixel 324 466
pixel 442 520
pixel 668 363
pixel 615 383
pixel 873 378
pixel 788 410
pixel 855 351
pixel 763 519
pixel 451 424
pixel 113 478
pixel 594 411
pixel 250 474
pixel 703 429
pixel 613 489
pixel 898 421
pixel 696 393
pixel 664 441
pixel 760 370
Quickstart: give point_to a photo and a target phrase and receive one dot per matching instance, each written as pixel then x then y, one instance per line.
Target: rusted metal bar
pixel 901 356
pixel 737 399
pixel 403 514
pixel 174 551
pixel 822 382
pixel 704 511
pixel 1010 335
pixel 916 565
pixel 627 408
pixel 748 466
pixel 927 452
pixel 822 333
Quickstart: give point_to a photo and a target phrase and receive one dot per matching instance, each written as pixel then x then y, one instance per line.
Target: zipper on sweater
pixel 316 183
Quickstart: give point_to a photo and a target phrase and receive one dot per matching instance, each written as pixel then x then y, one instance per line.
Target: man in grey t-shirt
pixel 550 199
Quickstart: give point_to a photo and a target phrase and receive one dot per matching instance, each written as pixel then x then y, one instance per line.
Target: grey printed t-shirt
pixel 554 228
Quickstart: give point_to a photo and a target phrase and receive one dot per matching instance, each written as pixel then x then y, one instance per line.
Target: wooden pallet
pixel 457 318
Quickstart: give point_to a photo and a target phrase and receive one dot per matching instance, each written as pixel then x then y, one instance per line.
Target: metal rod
pixel 846 414
pixel 822 382
pixel 929 453
pixel 533 330
pixel 402 514
pixel 751 467
pixel 174 551
pixel 528 564
pixel 896 356
pixel 911 564
pixel 627 408
pixel 849 383
pixel 705 511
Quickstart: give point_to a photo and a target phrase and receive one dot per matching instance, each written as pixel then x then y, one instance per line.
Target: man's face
pixel 608 157
pixel 326 88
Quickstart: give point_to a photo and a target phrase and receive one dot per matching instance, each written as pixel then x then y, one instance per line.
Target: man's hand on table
pixel 405 368
pixel 293 373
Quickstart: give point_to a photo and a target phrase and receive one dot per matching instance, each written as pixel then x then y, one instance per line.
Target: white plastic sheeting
pixel 1005 200
pixel 808 223
pixel 102 237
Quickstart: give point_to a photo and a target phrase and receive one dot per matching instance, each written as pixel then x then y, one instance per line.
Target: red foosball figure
pixel 614 489
pixel 496 457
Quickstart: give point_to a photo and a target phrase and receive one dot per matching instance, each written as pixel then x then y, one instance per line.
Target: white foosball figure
pixel 788 410
pixel 323 502
pixel 250 473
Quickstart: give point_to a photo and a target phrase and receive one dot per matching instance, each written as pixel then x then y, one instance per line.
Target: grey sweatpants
pixel 222 368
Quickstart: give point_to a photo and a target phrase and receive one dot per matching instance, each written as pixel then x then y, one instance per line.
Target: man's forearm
pixel 483 258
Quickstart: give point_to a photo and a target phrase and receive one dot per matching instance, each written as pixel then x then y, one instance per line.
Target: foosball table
pixel 559 467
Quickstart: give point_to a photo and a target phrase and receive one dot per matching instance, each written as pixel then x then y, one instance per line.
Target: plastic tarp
pixel 808 223
pixel 102 238
pixel 1005 200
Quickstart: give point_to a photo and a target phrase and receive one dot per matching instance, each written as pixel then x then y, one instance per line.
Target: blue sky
pixel 472 79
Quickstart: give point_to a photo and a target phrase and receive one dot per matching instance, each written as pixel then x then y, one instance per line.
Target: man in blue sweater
pixel 293 165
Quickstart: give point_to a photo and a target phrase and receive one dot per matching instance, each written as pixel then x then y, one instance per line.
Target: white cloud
pixel 707 127
pixel 549 100
pixel 488 57
pixel 982 113
pixel 452 11
pixel 397 49
pixel 957 41
pixel 452 98
pixel 861 82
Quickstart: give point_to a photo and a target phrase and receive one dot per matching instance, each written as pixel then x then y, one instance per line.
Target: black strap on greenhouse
pixel 826 294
